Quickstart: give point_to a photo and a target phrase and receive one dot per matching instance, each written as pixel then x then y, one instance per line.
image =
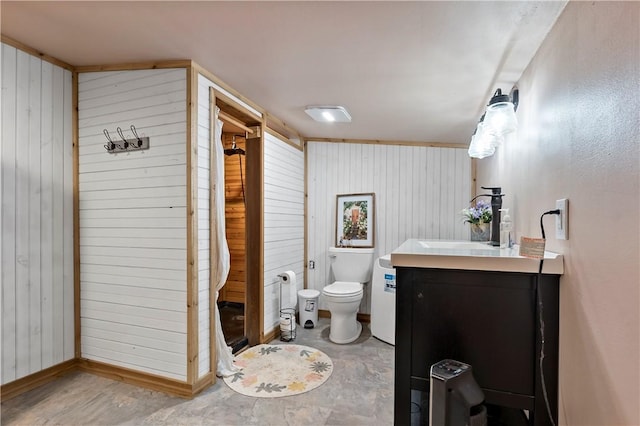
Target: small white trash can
pixel 308 306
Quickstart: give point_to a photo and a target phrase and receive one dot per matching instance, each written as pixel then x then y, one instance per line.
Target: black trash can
pixel 455 397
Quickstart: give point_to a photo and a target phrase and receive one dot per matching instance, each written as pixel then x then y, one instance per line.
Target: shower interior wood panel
pixel 234 289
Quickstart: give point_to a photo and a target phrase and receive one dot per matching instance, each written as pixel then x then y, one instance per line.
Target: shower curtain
pixel 220 248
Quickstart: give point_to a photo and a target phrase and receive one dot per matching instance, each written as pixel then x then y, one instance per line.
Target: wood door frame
pixel 254 250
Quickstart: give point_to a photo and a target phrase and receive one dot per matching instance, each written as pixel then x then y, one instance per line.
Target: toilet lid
pixel 343 288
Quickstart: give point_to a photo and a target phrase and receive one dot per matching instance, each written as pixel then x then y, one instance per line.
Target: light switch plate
pixel 562 220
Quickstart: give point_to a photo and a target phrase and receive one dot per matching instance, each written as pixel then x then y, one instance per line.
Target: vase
pixel 480 231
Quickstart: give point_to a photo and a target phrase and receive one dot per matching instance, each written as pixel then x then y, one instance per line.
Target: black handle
pixel 495 190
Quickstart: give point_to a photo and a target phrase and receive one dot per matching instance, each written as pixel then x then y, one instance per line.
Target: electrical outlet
pixel 562 220
pixel 312 264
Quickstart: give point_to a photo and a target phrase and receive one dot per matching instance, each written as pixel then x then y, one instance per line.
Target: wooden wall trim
pixel 273 122
pixel 284 139
pixel 213 246
pixel 24 384
pixel 76 220
pixel 35 52
pixel 232 120
pixel 192 226
pixel 254 308
pixel 178 63
pixel 206 73
pixel 384 142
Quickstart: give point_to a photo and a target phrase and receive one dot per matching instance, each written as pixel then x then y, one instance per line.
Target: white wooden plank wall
pixel 204 239
pixel 283 222
pixel 419 192
pixel 133 221
pixel 36 215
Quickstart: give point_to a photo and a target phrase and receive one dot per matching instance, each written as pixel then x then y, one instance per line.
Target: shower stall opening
pixel 232 298
pixel 236 231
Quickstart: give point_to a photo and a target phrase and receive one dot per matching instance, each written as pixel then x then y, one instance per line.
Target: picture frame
pixel 355 215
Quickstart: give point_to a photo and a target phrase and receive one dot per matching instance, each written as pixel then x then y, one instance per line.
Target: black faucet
pixel 496 205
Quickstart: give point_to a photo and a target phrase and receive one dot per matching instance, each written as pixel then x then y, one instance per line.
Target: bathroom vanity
pixel 477 304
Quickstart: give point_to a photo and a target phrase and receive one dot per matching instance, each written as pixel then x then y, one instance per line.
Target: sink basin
pixel 470 255
pixel 462 245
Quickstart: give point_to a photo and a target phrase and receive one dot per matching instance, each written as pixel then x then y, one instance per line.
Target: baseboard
pixel 24 384
pixel 366 318
pixel 146 380
pixel 273 334
pixel 203 383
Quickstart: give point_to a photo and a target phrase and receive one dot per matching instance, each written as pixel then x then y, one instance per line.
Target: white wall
pixel 283 221
pixel 204 226
pixel 419 192
pixel 37 215
pixel 133 221
pixel 579 138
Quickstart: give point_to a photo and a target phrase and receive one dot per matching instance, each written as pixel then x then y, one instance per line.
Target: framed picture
pixel 354 220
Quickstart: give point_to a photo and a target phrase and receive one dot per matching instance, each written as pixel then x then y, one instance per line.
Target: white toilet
pixel 351 268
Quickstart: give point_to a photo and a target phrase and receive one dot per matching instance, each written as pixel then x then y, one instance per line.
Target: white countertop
pixel 471 255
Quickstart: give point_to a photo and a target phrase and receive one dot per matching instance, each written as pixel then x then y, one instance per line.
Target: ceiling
pixel 406 71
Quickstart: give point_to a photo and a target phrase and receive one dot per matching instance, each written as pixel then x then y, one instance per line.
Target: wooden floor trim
pixel 32 381
pixel 203 383
pixel 273 334
pixel 366 318
pixel 137 378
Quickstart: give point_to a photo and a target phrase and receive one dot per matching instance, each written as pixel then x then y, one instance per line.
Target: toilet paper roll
pixel 287 323
pixel 288 328
pixel 288 289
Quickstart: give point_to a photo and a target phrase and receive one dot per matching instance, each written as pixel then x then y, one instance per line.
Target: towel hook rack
pixel 110 146
pixel 135 144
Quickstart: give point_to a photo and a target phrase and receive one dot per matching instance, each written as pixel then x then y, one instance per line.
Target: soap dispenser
pixel 505 229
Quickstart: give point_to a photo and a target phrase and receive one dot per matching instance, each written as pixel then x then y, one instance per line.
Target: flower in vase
pixel 480 213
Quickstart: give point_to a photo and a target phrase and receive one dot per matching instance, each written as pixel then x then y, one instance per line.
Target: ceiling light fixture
pixel 495 124
pixel 328 114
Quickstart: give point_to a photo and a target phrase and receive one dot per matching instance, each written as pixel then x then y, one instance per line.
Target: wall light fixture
pixel 481 145
pixel 496 123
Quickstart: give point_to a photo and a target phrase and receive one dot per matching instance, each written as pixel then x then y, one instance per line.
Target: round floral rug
pixel 270 371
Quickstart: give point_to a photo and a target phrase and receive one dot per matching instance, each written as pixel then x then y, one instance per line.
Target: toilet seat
pixel 343 289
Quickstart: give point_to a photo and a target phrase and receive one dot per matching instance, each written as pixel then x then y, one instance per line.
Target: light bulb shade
pixel 483 143
pixel 501 118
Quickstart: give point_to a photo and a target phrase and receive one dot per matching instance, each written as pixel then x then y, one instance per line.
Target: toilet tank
pixel 351 264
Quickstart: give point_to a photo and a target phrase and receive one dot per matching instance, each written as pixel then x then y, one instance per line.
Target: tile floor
pixel 359 392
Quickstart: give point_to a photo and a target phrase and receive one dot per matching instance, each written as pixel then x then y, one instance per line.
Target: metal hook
pixel 110 146
pixel 135 133
pixel 124 140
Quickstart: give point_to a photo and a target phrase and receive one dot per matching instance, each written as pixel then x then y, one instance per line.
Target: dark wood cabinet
pixel 487 319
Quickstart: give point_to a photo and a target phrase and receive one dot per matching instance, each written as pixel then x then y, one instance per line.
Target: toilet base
pixel 342 336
